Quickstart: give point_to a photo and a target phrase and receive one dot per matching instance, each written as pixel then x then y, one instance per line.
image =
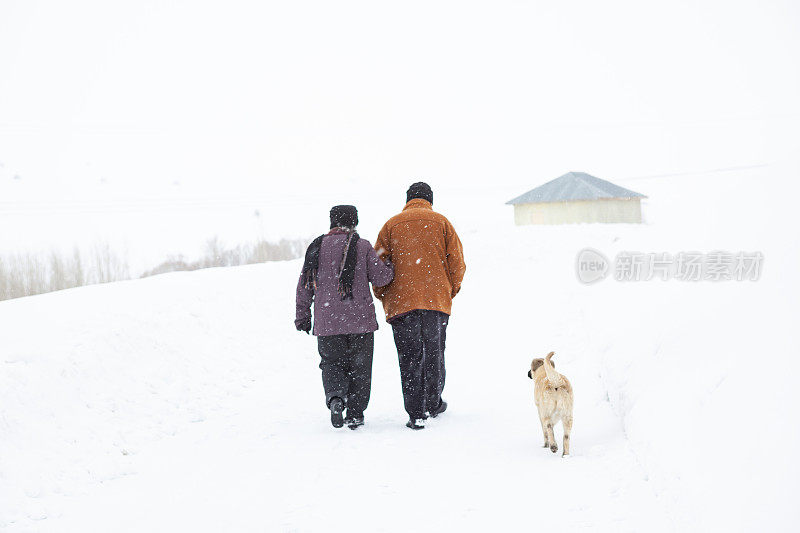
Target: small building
pixel 577 197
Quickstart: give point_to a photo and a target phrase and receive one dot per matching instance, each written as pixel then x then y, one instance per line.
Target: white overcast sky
pixel 254 97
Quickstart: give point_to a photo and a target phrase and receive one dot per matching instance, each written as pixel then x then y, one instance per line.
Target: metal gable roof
pixel 574 186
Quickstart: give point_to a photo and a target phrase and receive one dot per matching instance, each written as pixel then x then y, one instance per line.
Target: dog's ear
pixel 529 374
pixel 536 363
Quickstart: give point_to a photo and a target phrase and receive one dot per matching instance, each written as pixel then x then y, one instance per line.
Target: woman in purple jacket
pixel 337 271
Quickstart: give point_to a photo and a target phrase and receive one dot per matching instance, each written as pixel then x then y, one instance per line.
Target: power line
pixel 716 170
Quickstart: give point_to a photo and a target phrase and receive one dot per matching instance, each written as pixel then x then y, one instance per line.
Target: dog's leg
pixel 567 423
pixel 544 425
pixel 550 437
pixel 544 430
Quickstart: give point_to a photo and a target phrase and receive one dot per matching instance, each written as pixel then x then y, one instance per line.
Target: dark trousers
pixel 346 363
pixel 419 337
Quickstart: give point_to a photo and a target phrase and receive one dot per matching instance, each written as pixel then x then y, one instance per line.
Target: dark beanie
pixel 420 190
pixel 344 216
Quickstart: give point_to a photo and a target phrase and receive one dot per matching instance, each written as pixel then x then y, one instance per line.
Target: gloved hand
pixel 305 325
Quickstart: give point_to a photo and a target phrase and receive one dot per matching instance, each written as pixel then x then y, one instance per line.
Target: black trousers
pixel 419 337
pixel 346 363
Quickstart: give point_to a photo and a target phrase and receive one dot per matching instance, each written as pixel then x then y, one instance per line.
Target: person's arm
pixel 383 251
pixel 303 300
pixel 379 273
pixel 454 253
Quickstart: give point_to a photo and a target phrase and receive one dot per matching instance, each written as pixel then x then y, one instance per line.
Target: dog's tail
pixel 553 377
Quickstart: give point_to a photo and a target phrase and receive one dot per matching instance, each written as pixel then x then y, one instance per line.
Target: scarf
pixel 346 272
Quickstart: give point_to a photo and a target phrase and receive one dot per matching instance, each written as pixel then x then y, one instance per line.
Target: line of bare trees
pixel 218 255
pixel 27 274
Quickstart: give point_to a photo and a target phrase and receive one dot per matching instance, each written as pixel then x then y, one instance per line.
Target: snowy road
pixel 233 433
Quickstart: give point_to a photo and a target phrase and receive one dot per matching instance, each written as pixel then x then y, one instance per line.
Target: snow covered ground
pixel 188 402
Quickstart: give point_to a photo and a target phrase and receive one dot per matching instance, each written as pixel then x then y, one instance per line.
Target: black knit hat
pixel 420 190
pixel 344 216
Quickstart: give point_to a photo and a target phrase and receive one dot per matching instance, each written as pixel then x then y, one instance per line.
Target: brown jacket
pixel 428 260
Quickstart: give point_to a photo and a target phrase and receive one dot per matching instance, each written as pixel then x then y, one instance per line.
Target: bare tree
pixel 58 272
pixel 5 287
pixel 77 274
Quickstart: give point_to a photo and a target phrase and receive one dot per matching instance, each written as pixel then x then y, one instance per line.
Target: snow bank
pixel 702 373
pixel 91 375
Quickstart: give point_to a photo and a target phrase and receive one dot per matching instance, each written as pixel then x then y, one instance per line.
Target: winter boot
pixel 354 422
pixel 416 423
pixel 337 407
pixel 439 410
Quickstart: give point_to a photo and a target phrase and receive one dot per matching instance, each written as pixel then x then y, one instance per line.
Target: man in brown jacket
pixel 428 268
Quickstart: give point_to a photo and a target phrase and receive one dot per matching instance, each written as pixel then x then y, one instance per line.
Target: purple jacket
pixel 332 315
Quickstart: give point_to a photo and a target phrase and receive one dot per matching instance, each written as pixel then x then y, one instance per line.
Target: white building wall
pixel 588 211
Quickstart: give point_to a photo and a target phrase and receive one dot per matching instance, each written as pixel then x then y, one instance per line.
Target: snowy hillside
pixel 188 402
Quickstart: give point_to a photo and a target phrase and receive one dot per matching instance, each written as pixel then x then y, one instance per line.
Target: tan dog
pixel 552 394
